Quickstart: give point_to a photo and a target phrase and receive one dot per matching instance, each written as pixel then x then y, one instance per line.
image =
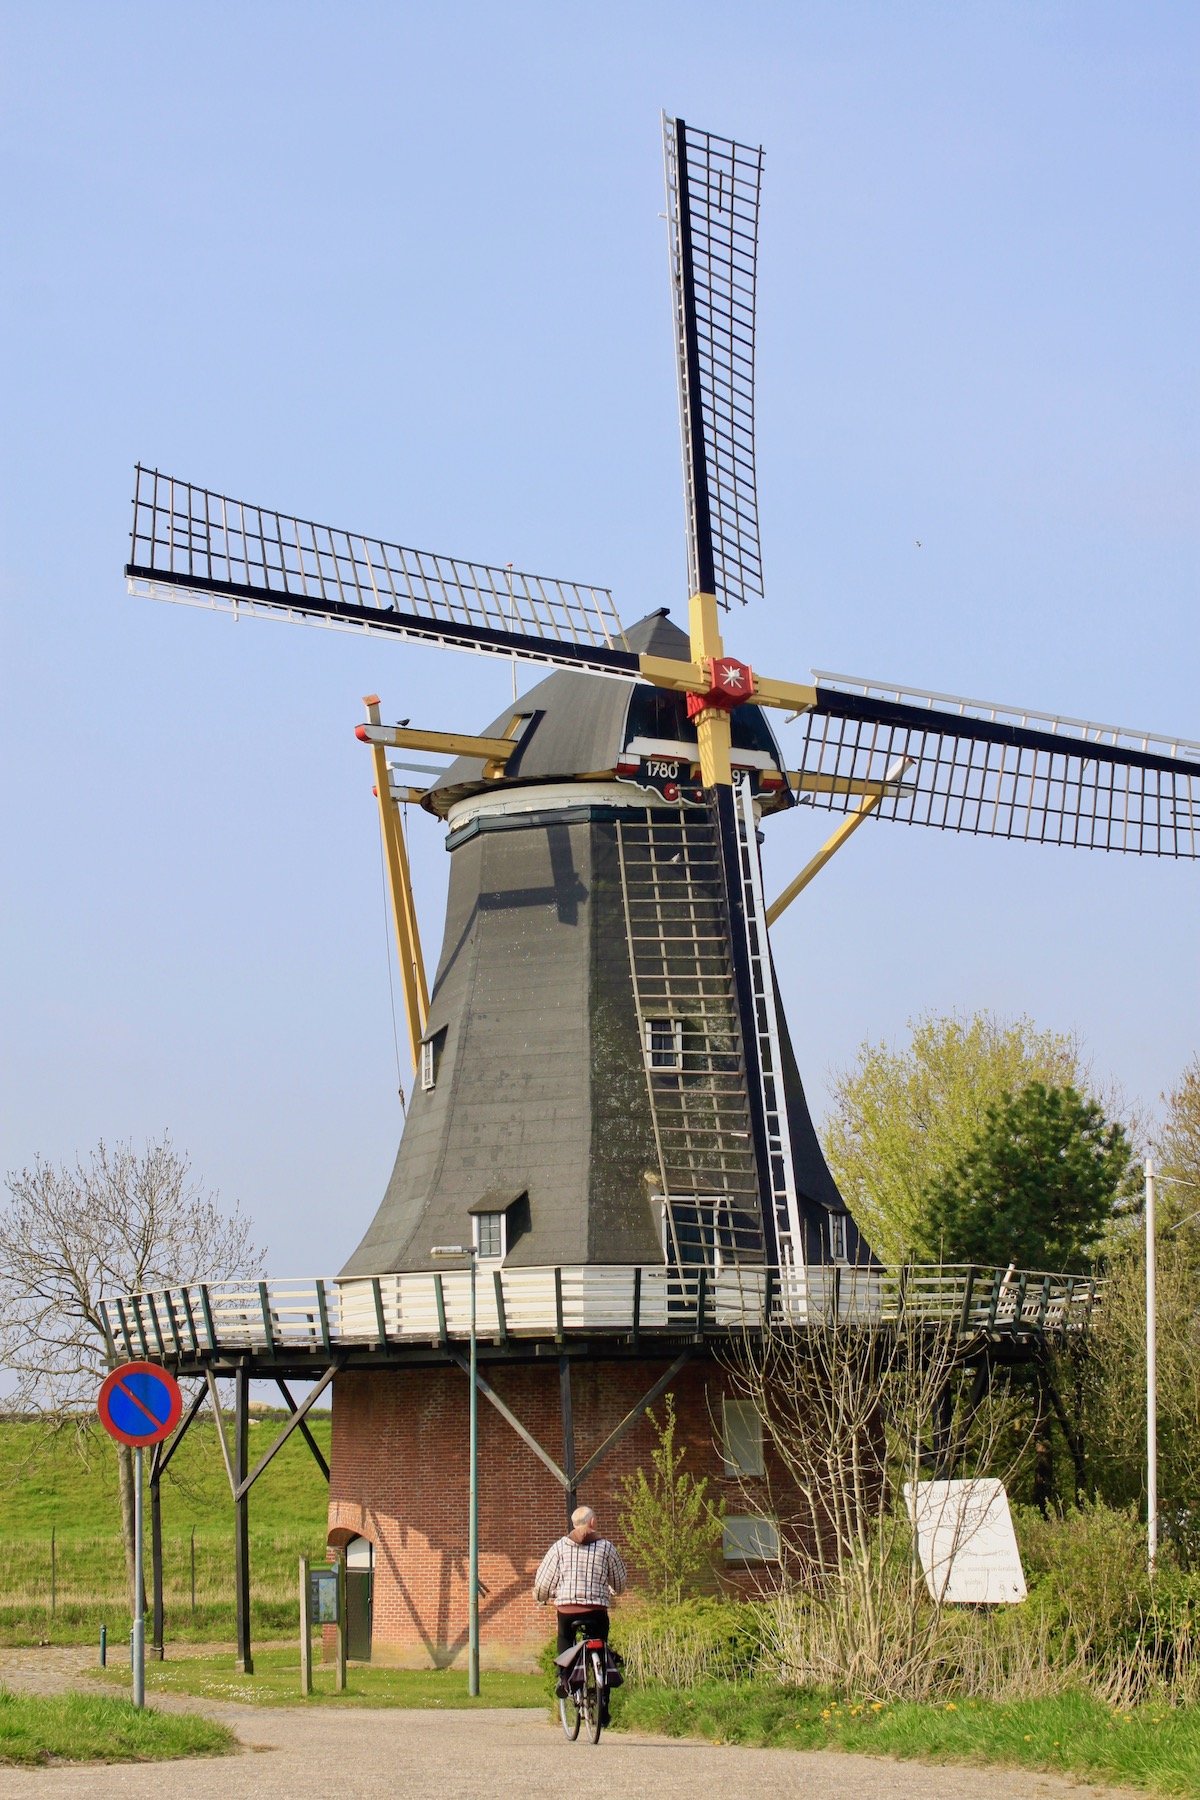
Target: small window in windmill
pixel 750 1540
pixel 742 1434
pixel 489 1236
pixel 664 1043
pixel 428 1064
pixel 838 1240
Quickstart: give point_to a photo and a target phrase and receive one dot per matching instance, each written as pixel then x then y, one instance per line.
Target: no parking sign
pixel 139 1404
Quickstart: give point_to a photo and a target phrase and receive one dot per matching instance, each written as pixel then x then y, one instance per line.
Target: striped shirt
pixel 575 1574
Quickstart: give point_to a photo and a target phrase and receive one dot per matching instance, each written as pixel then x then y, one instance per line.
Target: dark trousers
pixel 572 1626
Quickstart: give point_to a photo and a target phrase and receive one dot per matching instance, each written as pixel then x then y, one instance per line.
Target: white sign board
pixel 966 1542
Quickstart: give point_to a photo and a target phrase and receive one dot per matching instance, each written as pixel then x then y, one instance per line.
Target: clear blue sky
pixel 401 268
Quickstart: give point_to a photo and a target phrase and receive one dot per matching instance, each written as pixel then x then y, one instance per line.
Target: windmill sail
pixel 713 188
pixel 204 548
pixel 999 771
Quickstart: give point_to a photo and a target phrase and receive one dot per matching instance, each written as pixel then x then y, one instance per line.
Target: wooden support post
pixel 241 1518
pixel 156 1553
pixel 568 1432
pixel 964 1317
pixel 510 1418
pixel 631 1418
pixel 295 1422
pixel 341 1624
pixel 219 1422
pixel 310 1440
pixel 404 918
pixel 833 844
pixel 305 1629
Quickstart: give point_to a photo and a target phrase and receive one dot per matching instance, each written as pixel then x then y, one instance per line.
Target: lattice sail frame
pixel 998 771
pixel 192 544
pixel 713 192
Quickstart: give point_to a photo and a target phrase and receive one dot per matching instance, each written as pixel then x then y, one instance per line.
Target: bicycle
pixel 586 1678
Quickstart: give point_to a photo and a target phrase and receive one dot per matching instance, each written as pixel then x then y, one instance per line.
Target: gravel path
pixel 506 1754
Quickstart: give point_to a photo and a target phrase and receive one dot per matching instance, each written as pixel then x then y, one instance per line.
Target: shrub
pixel 668 1522
pixel 697 1640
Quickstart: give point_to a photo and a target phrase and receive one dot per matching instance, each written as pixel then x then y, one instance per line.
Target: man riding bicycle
pixel 578 1573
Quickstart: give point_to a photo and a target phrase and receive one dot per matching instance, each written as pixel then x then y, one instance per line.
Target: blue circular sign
pixel 139 1403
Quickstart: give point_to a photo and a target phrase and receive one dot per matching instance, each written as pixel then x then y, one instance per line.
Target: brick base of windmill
pixel 399 1480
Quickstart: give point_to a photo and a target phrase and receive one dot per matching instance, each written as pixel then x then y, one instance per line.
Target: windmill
pixel 605 1086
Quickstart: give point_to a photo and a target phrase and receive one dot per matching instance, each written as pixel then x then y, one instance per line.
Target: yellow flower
pixel 950 1706
pixel 877 1706
pixel 1028 1737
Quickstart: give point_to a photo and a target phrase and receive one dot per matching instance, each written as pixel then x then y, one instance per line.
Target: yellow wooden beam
pixel 792 696
pixel 404 919
pixel 410 909
pixel 833 844
pixel 447 743
pixel 807 781
pixel 693 678
pixel 704 627
pixel 680 677
pixel 712 725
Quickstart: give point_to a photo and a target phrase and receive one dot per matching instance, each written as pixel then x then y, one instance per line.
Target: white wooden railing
pixel 273 1317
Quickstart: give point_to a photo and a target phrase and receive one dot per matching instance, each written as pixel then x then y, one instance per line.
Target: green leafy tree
pixel 671 1527
pixel 1177 1154
pixel 903 1118
pixel 1038 1185
pixel 1112 1364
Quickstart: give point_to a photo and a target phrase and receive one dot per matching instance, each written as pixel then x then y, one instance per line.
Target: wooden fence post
pixel 305 1630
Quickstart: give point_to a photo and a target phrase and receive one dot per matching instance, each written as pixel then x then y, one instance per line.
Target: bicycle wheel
pixel 594 1694
pixel 568 1712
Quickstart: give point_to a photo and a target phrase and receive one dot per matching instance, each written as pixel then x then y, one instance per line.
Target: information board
pixel 966 1542
pixel 323 1596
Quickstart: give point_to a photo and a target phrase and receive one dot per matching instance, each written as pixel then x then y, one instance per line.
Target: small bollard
pixel 104 1646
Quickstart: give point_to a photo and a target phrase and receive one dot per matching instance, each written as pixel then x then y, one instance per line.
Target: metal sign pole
pixel 1151 1372
pixel 139 1608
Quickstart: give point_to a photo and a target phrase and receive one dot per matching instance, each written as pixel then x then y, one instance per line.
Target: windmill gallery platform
pixel 607 1117
pixel 569 1358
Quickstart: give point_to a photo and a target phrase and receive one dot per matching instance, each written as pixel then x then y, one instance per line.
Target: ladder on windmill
pixel 683 987
pixel 783 1198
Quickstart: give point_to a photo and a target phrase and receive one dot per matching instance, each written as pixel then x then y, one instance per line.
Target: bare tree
pixel 125 1221
pixel 859 1413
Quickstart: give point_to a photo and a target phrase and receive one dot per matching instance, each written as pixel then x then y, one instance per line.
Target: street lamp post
pixel 470 1251
pixel 1151 1372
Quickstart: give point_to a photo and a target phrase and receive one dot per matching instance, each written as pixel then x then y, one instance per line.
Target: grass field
pixel 1151 1747
pixel 71 1491
pixel 39 1728
pixel 276 1682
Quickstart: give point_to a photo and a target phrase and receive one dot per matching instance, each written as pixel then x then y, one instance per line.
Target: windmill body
pixel 583 1082
pixel 606 1107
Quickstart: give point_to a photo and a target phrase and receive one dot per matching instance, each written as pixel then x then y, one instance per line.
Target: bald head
pixel 582 1517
